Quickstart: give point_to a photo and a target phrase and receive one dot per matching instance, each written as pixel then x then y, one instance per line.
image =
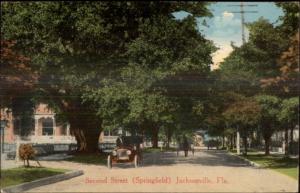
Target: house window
pixel 47 126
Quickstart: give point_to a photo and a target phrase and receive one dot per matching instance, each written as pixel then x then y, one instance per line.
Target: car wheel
pixel 136 160
pixel 109 162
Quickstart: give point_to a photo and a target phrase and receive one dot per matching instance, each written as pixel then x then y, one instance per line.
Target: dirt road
pixel 206 171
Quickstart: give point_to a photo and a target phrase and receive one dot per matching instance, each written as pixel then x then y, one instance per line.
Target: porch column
pixel 36 126
pixel 68 129
pixel 54 126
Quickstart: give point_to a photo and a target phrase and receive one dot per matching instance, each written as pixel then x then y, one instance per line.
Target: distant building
pixel 199 137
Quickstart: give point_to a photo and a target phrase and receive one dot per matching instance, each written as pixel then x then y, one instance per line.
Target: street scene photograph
pixel 149 96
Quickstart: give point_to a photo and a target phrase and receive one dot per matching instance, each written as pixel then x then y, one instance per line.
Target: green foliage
pixel 270 107
pixel 141 95
pixel 284 165
pixel 243 114
pixel 107 60
pixel 133 65
pixel 21 175
pixel 243 69
pixel 164 42
pixel 290 19
pixel 289 110
pixel 271 45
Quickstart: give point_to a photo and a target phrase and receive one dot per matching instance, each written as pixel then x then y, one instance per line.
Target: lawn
pixel 279 163
pixel 97 159
pixel 21 175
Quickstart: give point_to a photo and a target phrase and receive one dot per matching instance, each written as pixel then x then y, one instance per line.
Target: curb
pixel 250 162
pixel 41 182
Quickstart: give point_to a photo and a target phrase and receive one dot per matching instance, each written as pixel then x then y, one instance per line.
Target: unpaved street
pixel 206 171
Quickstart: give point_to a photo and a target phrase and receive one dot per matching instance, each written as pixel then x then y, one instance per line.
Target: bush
pixel 26 152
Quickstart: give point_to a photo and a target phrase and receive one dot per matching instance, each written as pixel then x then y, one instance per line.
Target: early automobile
pixel 127 150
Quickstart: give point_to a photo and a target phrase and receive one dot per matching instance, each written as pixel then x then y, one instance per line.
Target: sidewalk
pixel 8 164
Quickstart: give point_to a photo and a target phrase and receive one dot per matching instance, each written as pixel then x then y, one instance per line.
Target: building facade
pixel 42 129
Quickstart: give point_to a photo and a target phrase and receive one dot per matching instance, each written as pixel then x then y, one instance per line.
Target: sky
pixel 225 26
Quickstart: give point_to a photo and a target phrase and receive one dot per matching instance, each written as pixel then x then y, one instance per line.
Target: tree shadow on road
pixel 203 157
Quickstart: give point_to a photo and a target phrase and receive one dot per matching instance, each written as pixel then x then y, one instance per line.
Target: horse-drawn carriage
pixel 185 145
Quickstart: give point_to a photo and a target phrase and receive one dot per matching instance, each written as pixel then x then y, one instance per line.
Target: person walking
pixel 185 146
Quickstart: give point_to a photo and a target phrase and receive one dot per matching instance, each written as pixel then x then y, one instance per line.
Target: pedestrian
pixel 185 146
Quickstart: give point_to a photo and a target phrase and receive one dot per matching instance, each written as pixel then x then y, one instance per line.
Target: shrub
pixel 26 152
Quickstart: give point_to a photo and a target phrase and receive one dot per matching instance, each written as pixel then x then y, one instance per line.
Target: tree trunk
pixel 252 139
pixel 231 141
pixel 245 145
pixel 168 138
pixel 84 123
pixel 223 141
pixel 155 137
pixel 286 142
pixel 87 139
pixel 234 140
pixel 267 139
pixel 86 132
pixel 292 140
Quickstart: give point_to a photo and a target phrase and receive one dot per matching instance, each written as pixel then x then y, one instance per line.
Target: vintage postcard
pixel 149 96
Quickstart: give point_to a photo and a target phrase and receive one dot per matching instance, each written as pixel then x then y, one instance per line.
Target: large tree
pixel 243 115
pixel 145 93
pixel 76 45
pixel 16 76
pixel 286 81
pixel 288 116
pixel 17 81
pixel 255 61
pixel 270 107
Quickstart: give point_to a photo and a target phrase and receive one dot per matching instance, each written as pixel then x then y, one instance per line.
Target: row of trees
pixel 102 65
pixel 261 79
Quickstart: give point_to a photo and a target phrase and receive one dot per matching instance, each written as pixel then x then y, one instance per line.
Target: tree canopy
pixel 101 63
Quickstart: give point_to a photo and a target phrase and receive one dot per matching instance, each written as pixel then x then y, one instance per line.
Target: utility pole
pixel 242 12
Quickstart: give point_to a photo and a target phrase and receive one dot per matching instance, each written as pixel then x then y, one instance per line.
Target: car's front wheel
pixel 109 162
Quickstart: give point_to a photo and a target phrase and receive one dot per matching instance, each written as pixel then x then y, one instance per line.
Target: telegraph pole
pixel 242 12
